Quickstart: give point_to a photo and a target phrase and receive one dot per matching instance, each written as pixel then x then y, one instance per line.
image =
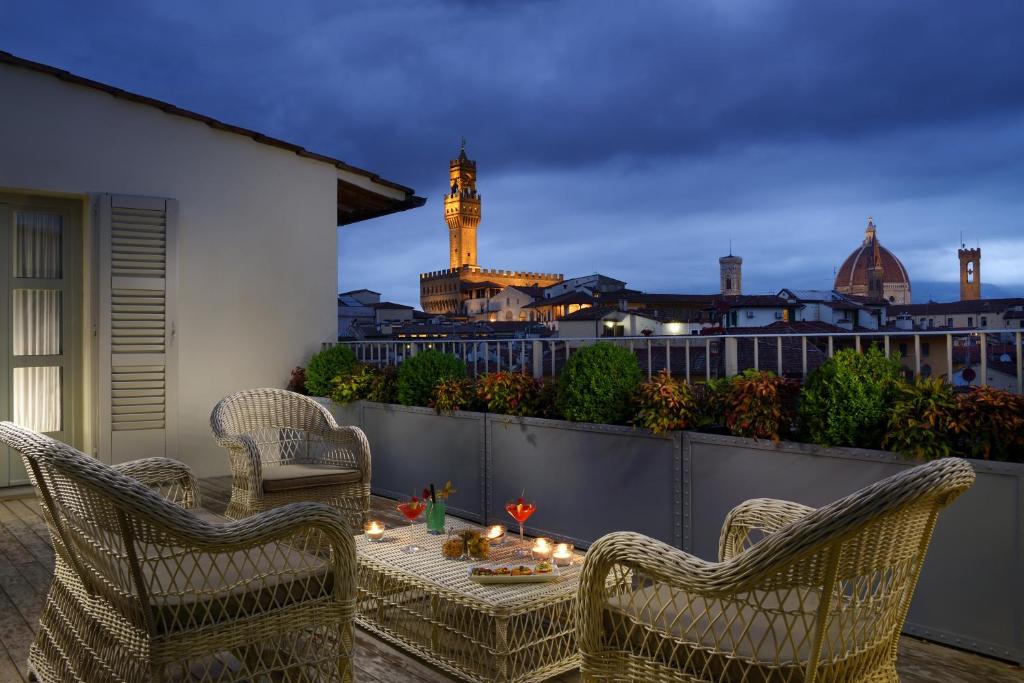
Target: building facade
pixel 157 265
pixel 447 291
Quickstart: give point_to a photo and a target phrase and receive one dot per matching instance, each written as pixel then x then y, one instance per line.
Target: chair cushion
pixel 192 589
pixel 764 627
pixel 300 476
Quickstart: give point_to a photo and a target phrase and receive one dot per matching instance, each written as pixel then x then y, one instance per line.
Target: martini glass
pixel 411 512
pixel 520 511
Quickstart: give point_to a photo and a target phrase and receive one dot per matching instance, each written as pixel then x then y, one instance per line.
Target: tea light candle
pixel 541 549
pixel 563 554
pixel 374 530
pixel 496 534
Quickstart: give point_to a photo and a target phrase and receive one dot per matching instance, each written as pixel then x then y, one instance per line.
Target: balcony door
pixel 40 293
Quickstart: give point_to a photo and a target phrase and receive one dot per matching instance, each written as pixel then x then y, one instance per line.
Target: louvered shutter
pixel 137 406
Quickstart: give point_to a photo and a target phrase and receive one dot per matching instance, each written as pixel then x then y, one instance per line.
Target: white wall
pixel 257 226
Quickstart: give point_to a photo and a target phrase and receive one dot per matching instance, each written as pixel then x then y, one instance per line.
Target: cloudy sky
pixel 628 138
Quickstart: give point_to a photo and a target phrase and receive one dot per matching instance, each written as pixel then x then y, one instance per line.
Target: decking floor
pixel 26 565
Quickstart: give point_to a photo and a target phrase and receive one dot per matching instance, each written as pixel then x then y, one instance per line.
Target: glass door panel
pixel 36 269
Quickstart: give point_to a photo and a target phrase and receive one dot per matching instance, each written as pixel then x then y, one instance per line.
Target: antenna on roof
pixel 962 245
pixel 730 245
pixel 463 143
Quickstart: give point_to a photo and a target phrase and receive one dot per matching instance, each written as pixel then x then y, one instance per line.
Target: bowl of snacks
pixel 454 548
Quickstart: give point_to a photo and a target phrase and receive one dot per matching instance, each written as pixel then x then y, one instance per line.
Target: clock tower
pixel 462 211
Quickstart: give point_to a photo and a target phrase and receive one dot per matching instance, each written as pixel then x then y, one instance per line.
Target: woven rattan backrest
pixel 256 409
pixel 861 555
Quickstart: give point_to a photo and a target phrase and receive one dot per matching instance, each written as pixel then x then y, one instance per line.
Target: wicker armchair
pixel 147 588
pixel 285 447
pixel 798 594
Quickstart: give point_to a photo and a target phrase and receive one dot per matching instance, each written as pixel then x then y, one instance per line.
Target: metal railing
pixel 696 358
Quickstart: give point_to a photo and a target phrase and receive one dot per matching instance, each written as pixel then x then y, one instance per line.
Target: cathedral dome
pixel 871 261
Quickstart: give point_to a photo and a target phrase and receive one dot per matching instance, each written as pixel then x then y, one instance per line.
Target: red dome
pixel 854 273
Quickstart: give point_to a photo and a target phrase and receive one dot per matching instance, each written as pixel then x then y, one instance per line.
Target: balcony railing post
pixel 649 358
pixel 949 358
pixel 687 356
pixel 668 354
pixel 984 358
pixel 707 359
pixel 1020 367
pixel 522 356
pixel 757 357
pixel 856 341
pixel 917 356
pixel 831 350
pixel 886 346
pixel 553 348
pixel 538 359
pixel 731 359
pixel 779 339
pixel 803 357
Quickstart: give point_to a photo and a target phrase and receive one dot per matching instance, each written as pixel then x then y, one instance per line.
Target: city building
pixel 874 271
pixel 162 260
pixel 510 303
pixel 448 291
pixel 976 313
pixel 612 321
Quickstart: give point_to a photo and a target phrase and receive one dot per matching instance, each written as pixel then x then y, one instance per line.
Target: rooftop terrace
pixel 26 563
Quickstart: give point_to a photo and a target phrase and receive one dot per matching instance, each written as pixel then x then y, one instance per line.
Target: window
pixel 949 322
pixel 903 350
pixel 924 349
pixel 931 322
pixel 984 321
pixel 970 321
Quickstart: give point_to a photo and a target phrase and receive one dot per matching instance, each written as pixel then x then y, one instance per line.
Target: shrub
pixel 713 401
pixel 759 405
pixel 354 385
pixel 923 422
pixel 451 395
pixel 384 386
pixel 508 393
pixel 846 401
pixel 598 383
pixel 992 424
pixel 418 376
pixel 664 404
pixel 297 382
pixel 547 399
pixel 324 366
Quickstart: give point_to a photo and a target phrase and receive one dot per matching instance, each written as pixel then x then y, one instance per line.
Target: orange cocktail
pixel 520 510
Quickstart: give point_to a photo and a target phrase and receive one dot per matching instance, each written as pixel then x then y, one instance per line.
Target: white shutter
pixel 137 402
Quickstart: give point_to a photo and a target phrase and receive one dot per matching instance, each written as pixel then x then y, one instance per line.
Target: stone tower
pixel 462 211
pixel 970 273
pixel 731 274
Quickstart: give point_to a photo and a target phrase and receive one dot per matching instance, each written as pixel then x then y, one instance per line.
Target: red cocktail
pixel 520 510
pixel 411 510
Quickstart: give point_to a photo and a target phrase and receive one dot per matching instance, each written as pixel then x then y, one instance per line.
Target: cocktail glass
pixel 412 513
pixel 520 510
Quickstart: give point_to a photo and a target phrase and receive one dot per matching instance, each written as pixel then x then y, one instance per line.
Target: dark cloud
pixel 631 138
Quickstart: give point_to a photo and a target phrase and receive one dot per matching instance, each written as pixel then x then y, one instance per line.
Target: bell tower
pixel 730 274
pixel 462 211
pixel 970 273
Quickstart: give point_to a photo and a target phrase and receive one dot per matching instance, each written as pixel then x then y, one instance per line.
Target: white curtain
pixel 37 398
pixel 37 322
pixel 37 319
pixel 37 250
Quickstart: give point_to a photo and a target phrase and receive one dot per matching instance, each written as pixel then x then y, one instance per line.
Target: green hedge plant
pixel 847 400
pixel 664 404
pixel 598 383
pixel 325 365
pixel 924 422
pixel 419 375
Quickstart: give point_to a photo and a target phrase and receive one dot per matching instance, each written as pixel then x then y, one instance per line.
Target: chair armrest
pixel 764 515
pixel 311 533
pixel 627 550
pixel 171 479
pixel 345 447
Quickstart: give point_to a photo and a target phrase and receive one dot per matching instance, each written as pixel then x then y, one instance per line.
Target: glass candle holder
pixel 496 534
pixel 563 554
pixel 541 549
pixel 374 530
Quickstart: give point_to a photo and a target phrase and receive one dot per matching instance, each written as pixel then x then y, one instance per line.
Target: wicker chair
pixel 148 588
pixel 798 594
pixel 285 447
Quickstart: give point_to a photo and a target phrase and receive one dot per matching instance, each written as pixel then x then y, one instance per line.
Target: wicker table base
pixel 427 605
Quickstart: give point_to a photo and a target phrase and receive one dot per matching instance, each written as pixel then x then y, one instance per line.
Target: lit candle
pixel 374 530
pixel 496 534
pixel 541 549
pixel 563 554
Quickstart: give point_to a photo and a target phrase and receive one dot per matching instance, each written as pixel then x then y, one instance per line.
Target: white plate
pixel 508 578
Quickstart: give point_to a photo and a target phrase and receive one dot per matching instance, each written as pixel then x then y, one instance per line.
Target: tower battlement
pixel 970 273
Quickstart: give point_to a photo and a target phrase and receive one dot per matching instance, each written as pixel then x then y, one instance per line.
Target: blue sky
pixel 634 139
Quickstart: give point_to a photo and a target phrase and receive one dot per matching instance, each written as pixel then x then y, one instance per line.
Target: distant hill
pixel 923 292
